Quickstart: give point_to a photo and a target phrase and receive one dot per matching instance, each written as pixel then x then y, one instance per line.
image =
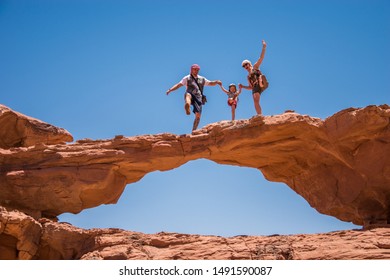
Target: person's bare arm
pixel 239 91
pixel 223 89
pixel 214 83
pixel 175 87
pixel 260 60
pixel 246 87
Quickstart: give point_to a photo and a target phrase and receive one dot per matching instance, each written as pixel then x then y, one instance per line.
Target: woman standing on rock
pixel 255 78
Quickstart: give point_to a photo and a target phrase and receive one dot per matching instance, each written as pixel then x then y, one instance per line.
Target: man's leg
pixel 187 105
pixel 196 121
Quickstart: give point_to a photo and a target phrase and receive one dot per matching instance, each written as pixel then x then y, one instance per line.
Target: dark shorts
pixel 256 88
pixel 196 102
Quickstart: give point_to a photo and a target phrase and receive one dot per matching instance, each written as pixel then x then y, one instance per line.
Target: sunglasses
pixel 245 65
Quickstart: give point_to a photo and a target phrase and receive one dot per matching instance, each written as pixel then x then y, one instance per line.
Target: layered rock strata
pixel 340 165
pixel 18 130
pixel 22 237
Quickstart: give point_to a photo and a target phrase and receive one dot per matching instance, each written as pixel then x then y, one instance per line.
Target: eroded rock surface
pixel 25 238
pixel 18 130
pixel 340 165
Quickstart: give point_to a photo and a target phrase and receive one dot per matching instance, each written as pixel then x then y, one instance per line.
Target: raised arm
pixel 260 60
pixel 223 89
pixel 238 92
pixel 175 87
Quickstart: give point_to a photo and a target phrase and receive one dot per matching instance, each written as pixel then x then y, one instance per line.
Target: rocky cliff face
pixel 340 165
pixel 22 237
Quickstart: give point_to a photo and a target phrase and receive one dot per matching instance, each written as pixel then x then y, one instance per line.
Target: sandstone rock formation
pixel 340 165
pixel 25 238
pixel 18 130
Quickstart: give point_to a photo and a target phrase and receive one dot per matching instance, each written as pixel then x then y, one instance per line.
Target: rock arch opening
pixel 202 197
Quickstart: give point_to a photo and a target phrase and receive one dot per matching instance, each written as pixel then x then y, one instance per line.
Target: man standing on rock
pixel 194 92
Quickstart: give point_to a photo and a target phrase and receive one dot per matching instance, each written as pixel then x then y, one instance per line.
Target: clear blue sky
pixel 101 68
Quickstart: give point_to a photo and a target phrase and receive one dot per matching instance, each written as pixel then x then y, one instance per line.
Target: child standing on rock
pixel 233 94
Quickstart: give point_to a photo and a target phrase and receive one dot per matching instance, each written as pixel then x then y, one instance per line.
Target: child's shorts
pixel 232 102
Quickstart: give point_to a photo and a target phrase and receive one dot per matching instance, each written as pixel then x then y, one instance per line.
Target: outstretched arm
pixel 175 87
pixel 260 60
pixel 241 86
pixel 246 87
pixel 214 83
pixel 223 89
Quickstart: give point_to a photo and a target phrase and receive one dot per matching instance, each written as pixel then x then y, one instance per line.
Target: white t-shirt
pixel 185 79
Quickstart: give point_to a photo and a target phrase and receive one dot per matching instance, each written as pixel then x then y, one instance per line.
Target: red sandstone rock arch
pixel 337 165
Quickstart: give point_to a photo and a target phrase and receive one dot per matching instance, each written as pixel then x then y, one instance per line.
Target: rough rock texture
pixel 25 238
pixel 341 166
pixel 18 130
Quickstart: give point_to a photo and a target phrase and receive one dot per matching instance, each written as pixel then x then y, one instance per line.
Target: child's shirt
pixel 232 94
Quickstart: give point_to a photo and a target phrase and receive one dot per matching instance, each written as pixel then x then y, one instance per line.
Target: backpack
pixel 265 82
pixel 258 73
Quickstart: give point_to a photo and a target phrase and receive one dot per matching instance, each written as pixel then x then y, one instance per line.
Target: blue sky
pixel 101 68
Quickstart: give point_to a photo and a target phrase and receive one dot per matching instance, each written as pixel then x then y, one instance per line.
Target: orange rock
pixel 340 165
pixel 22 237
pixel 18 130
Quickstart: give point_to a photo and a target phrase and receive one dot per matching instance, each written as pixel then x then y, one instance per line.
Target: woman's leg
pixel 256 100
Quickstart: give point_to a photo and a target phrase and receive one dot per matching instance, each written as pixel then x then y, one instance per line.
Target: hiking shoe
pixel 187 108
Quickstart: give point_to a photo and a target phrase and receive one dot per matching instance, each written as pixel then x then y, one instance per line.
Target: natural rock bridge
pixel 341 165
